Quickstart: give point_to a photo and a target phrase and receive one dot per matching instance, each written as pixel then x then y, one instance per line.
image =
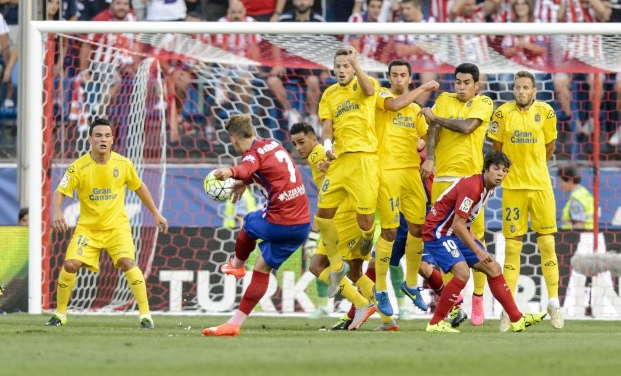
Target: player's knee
pixel 416 230
pixel 494 269
pixel 354 274
pixel 366 221
pixel 72 266
pixel 126 263
pixel 461 273
pixel 425 269
pixel 389 234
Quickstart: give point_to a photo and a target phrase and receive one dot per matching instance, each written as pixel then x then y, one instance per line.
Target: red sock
pixel 449 296
pixel 371 274
pixel 244 245
pixel 435 281
pixel 352 312
pixel 254 292
pixel 501 292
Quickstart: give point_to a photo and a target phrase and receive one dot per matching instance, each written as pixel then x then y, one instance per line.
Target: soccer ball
pixel 217 189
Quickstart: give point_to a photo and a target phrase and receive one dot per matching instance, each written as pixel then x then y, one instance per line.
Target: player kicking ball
pixel 283 224
pixel 448 238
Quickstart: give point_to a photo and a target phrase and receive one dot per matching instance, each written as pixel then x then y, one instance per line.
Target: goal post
pixel 219 78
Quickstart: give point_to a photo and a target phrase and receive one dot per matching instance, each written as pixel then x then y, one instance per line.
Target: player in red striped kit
pixel 282 224
pixel 455 248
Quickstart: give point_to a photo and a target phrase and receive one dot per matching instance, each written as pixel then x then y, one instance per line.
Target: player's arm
pixel 577 213
pixel 59 223
pixel 328 132
pixel 144 195
pixel 466 237
pixel 365 82
pixel 550 147
pixel 496 145
pixel 463 126
pixel 403 100
pixel 433 134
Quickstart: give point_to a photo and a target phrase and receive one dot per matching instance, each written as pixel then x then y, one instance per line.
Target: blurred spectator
pixel 366 45
pixel 615 16
pixel 391 11
pixel 213 10
pixel 236 84
pixel 528 50
pixel 418 49
pixel 264 10
pixel 341 10
pixel 302 12
pixel 140 8
pixel 166 10
pixel 104 66
pixel 472 48
pixel 585 48
pixel 9 58
pixel 22 217
pixel 578 211
pixel 234 213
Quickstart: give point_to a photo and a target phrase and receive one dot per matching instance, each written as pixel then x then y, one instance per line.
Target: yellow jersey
pixel 524 136
pixel 317 155
pixel 353 117
pixel 101 190
pixel 458 154
pixel 398 133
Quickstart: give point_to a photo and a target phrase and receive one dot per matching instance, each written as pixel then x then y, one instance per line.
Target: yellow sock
pixel 330 239
pixel 368 235
pixel 479 282
pixel 413 256
pixel 549 263
pixel 347 290
pixel 365 285
pixel 383 250
pixel 66 281
pixel 137 284
pixel 511 269
pixel 446 278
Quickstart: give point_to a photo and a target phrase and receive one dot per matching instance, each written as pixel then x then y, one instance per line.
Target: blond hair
pixel 240 126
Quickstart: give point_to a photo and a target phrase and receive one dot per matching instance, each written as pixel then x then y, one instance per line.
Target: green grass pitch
pixel 115 345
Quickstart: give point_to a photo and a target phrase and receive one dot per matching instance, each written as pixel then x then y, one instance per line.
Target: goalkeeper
pixel 100 178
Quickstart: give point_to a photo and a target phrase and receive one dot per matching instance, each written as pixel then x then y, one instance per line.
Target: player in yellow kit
pixel 401 189
pixel 306 145
pixel 100 178
pixel 525 130
pixel 347 114
pixel 458 123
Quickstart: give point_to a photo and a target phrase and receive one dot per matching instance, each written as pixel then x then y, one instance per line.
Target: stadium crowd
pixel 296 92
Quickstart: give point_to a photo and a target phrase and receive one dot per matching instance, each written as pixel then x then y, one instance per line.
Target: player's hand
pixel 310 246
pixel 238 191
pixel 426 168
pixel 323 166
pixel 430 85
pixel 223 173
pixel 484 257
pixel 59 223
pixel 428 114
pixel 161 223
pixel 352 56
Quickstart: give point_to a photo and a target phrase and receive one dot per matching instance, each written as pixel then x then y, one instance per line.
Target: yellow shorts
pixel 351 174
pixel 349 237
pixel 401 190
pixel 86 246
pixel 520 204
pixel 478 226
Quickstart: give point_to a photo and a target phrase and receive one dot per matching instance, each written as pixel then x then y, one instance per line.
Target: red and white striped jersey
pixel 466 198
pixel 583 46
pixel 478 16
pixel 472 47
pixel 110 46
pixel 544 11
pixel 237 43
pixel 368 43
pixel 419 40
pixel 524 56
pixel 440 10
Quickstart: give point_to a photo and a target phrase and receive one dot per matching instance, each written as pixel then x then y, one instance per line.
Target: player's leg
pixel 514 226
pixel 543 218
pixel 364 307
pixel 477 316
pixel 441 251
pixel 364 190
pixel 120 247
pixel 81 252
pixel 319 263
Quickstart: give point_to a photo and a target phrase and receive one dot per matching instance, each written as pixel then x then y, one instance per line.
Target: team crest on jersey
pixel 466 204
pixel 115 172
pixel 512 228
pixel 65 181
pixel 469 104
pixel 355 87
pixel 493 127
pixel 537 117
pixel 384 94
